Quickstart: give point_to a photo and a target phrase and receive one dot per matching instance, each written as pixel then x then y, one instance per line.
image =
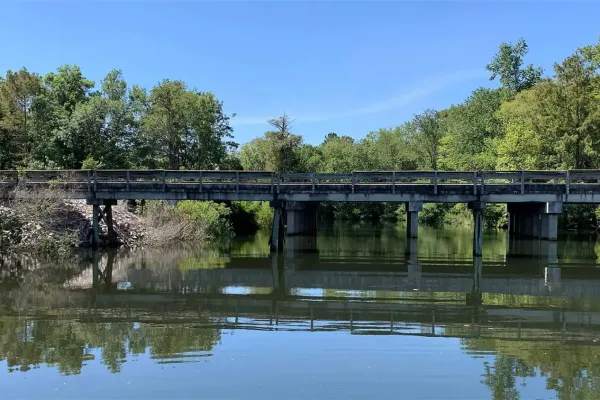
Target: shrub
pixel 11 230
pixel 434 214
pixel 90 163
pixel 213 217
pixel 359 211
pixel 249 216
pixel 580 217
pixel 188 221
pixel 58 245
pixel 494 215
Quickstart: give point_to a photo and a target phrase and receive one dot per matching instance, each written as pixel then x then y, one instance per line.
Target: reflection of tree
pixel 26 343
pixel 501 378
pixel 573 371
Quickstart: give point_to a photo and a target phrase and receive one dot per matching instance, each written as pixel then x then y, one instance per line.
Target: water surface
pixel 348 314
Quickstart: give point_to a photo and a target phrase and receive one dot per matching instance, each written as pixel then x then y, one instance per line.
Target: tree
pixel 472 130
pixel 17 93
pixel 555 124
pixel 68 87
pixel 53 142
pixel 389 149
pixel 253 155
pixel 428 136
pixel 281 146
pixel 339 155
pixel 186 128
pixel 507 65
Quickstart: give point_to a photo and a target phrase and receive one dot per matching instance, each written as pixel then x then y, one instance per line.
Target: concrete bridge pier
pixel 276 240
pixel 477 209
pixel 301 217
pixel 537 220
pixel 412 218
pixel 549 217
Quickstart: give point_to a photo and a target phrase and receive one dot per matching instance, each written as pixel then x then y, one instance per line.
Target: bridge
pixel 534 198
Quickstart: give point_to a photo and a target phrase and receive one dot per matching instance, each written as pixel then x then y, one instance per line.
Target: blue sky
pixel 344 67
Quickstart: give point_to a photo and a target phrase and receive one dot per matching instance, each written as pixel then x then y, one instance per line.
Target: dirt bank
pixel 26 224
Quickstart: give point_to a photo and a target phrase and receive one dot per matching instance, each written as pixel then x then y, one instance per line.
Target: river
pixel 357 312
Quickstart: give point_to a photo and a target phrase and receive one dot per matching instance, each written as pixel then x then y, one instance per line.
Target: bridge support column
pixel 301 218
pixel 102 214
pixel 549 215
pixel 537 220
pixel 414 268
pixel 277 229
pixel 412 218
pixel 477 209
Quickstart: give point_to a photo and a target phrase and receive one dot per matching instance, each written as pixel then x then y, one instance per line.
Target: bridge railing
pixel 157 180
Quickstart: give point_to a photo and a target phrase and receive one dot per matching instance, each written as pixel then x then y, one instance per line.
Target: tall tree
pixel 389 149
pixel 55 144
pixel 282 145
pixel 187 128
pixel 428 137
pixel 472 130
pixel 508 66
pixel 555 124
pixel 17 93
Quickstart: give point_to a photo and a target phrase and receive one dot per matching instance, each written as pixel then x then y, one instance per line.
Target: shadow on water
pixel 533 306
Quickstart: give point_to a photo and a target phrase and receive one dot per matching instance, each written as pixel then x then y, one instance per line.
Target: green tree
pixel 17 93
pixel 253 155
pixel 278 150
pixel 339 155
pixel 53 142
pixel 508 66
pixel 389 149
pixel 428 137
pixel 472 130
pixel 555 124
pixel 186 128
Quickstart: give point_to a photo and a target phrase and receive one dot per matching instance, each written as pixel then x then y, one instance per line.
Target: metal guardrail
pixel 88 180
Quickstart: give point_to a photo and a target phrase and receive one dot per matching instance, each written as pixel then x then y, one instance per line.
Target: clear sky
pixel 344 67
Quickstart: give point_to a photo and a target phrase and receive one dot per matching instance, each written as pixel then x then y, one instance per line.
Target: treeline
pixel 62 120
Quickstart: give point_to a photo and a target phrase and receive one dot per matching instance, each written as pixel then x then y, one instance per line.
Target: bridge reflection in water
pixel 522 297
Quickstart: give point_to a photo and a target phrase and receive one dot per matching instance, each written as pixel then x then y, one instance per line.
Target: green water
pixel 348 314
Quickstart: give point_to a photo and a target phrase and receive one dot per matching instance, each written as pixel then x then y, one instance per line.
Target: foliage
pixel 58 245
pixel 507 65
pixel 428 136
pixel 214 217
pixel 472 131
pixel 188 221
pixel 58 121
pixel 278 150
pixel 434 214
pixel 579 217
pixel 90 163
pixel 11 227
pixel 253 214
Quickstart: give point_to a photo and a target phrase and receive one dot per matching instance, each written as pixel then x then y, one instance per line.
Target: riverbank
pixel 48 225
pixel 54 226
